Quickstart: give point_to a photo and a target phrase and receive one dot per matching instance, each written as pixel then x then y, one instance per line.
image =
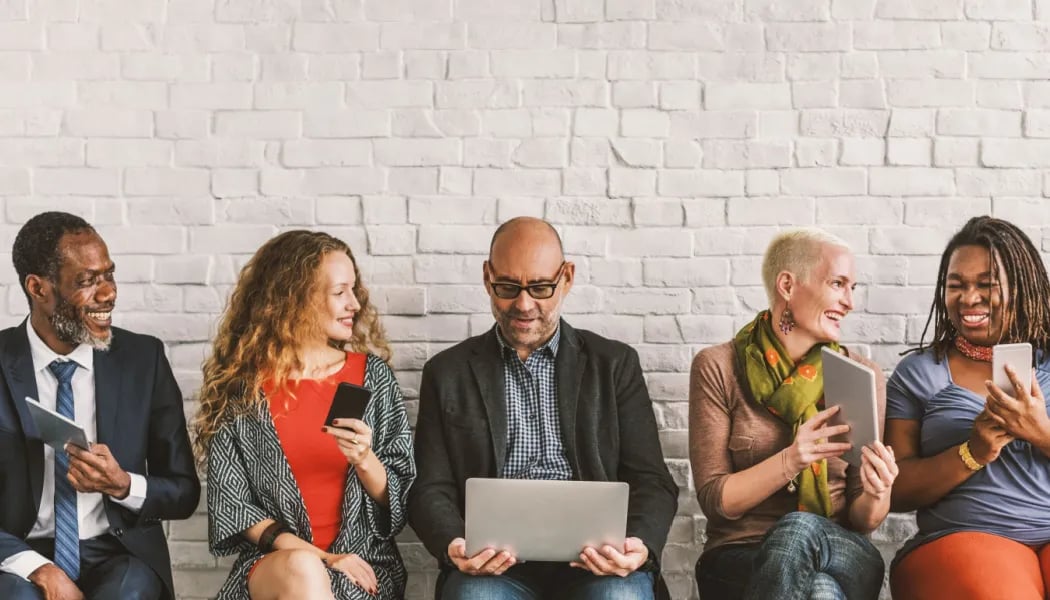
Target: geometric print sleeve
pixel 249 481
pixel 230 506
pixel 392 444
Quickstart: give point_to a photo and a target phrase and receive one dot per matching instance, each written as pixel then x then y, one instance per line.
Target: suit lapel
pixel 108 381
pixel 569 369
pixel 487 365
pixel 17 364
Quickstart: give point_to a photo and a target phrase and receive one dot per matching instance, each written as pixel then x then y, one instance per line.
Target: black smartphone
pixel 349 402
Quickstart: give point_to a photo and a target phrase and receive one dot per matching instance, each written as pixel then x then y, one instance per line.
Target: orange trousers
pixel 973 566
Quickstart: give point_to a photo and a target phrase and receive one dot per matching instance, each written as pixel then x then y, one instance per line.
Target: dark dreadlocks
pixel 1026 316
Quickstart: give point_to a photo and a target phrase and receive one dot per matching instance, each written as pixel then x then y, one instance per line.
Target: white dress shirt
pixel 91 511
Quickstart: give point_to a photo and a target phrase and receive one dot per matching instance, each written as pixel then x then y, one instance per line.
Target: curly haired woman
pixel 310 510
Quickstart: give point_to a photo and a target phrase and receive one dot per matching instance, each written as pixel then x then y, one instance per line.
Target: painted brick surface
pixel 666 139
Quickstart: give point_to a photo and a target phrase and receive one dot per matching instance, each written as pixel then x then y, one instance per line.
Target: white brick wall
pixel 667 139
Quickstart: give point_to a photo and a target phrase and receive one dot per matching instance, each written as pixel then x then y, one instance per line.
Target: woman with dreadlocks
pixel 975 461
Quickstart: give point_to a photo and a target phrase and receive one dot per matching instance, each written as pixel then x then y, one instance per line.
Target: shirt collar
pixel 43 356
pixel 551 345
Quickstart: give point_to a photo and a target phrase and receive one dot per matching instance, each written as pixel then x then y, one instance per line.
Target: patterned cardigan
pixel 249 480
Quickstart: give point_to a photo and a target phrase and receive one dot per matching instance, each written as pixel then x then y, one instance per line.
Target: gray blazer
pixel 607 427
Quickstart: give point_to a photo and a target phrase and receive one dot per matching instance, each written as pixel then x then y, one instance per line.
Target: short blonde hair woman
pixel 310 510
pixel 786 516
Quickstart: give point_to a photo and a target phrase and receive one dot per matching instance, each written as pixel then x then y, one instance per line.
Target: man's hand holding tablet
pixel 92 467
pixel 54 429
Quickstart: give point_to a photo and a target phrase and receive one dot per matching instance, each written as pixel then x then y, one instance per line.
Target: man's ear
pixel 569 274
pixel 785 285
pixel 38 288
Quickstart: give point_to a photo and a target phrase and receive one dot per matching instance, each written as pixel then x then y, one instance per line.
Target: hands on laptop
pixel 608 560
pixel 603 561
pixel 487 562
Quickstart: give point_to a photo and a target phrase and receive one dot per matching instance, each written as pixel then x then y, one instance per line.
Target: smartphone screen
pixel 1018 356
pixel 349 402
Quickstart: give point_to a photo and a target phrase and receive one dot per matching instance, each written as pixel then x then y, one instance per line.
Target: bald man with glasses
pixel 534 398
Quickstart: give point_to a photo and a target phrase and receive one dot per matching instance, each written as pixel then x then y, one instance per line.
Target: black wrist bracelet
pixel 269 536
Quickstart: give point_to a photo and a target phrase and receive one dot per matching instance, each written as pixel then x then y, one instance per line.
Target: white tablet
pixel 54 429
pixel 851 385
pixel 544 520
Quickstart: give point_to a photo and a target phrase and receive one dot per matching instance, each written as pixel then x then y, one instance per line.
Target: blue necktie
pixel 67 535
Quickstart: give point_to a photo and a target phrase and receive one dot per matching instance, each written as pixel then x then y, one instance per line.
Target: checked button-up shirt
pixel 534 444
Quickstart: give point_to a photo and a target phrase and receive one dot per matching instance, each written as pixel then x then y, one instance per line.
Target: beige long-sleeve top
pixel 729 432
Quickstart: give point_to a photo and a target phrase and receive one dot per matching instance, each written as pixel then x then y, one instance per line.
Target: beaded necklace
pixel 973 351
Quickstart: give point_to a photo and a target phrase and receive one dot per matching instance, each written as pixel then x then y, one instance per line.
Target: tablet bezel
pixel 851 385
pixel 50 422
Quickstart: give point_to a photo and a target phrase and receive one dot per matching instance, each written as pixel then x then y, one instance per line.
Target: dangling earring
pixel 787 321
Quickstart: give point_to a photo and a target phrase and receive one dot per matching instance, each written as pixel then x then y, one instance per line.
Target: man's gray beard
pixel 73 331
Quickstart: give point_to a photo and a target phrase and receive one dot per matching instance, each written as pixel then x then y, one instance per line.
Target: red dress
pixel 318 466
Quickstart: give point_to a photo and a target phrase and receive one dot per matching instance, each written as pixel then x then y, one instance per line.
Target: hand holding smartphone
pixel 349 402
pixel 1019 357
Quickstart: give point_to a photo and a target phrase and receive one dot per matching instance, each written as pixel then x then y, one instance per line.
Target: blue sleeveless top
pixel 1011 496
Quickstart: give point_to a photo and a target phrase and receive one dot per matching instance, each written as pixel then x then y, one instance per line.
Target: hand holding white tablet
pixel 851 386
pixel 878 470
pixel 97 471
pixel 54 429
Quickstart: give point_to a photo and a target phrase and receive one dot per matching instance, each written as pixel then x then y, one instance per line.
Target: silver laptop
pixel 851 385
pixel 544 520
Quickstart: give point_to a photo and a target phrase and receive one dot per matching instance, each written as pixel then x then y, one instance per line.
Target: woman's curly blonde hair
pixel 274 306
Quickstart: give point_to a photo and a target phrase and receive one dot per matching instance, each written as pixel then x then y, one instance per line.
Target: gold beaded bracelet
pixel 967 457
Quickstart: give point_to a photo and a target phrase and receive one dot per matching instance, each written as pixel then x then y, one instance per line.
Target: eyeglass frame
pixel 554 283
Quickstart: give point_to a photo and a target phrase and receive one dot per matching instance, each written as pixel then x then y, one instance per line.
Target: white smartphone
pixel 1019 357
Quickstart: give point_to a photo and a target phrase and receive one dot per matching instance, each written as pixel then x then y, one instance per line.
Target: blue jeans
pixel 540 581
pixel 803 557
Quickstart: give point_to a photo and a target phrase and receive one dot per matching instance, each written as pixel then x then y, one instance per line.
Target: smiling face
pixel 974 300
pixel 820 301
pixel 76 308
pixel 340 303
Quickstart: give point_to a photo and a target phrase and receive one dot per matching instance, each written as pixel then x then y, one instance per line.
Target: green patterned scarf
pixel 790 392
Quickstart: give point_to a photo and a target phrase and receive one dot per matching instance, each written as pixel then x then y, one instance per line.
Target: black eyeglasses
pixel 539 291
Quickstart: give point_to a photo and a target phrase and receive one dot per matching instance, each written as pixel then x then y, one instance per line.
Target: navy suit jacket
pixel 138 415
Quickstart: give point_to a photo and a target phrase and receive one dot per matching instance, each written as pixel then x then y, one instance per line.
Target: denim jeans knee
pixel 826 588
pixel 459 586
pixel 636 586
pixel 801 549
pixel 798 527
